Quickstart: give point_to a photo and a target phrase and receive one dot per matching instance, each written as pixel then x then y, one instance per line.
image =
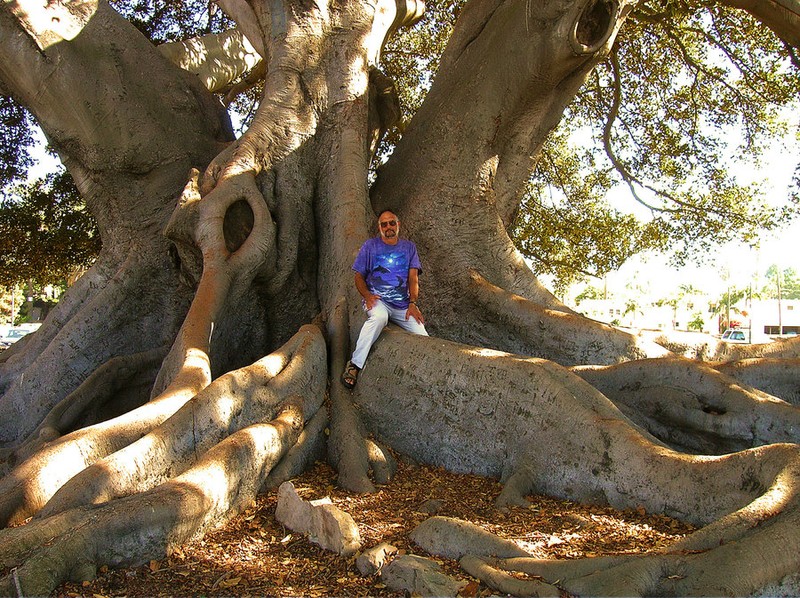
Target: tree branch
pixel 217 59
pixel 782 16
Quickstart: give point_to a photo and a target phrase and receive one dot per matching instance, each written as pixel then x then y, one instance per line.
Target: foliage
pixel 11 297
pixel 15 158
pixel 727 303
pixel 654 118
pixel 45 233
pixel 589 293
pixel 697 322
pixel 642 160
pixel 783 284
pixel 566 225
pixel 173 20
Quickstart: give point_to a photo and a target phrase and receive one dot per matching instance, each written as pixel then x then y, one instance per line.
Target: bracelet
pixel 412 302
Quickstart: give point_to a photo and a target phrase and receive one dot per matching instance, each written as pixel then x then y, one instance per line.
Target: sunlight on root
pixel 212 478
pixel 60 466
pixel 483 352
pixel 272 364
pixel 212 475
pixel 508 584
pixel 197 360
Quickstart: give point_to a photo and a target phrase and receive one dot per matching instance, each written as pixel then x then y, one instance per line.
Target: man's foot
pixel 350 375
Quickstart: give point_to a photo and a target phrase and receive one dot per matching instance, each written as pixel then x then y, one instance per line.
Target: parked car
pixel 12 336
pixel 735 335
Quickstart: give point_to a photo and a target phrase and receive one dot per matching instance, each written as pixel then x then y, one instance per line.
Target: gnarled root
pixel 101 328
pixel 508 584
pixel 135 529
pixel 80 408
pixel 566 338
pixel 238 399
pixel 753 550
pixel 692 406
pixel 500 414
pixel 350 452
pixel 775 376
pixel 34 482
pixel 785 349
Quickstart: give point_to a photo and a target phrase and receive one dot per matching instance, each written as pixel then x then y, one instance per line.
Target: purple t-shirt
pixel 385 269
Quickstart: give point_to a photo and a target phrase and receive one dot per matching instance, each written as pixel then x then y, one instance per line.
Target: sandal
pixel 350 375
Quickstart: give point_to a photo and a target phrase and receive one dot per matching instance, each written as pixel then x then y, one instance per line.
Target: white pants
pixel 377 318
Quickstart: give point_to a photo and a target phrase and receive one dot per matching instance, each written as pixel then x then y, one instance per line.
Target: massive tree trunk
pixel 194 358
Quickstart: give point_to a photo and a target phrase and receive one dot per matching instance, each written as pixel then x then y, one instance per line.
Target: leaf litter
pixel 254 555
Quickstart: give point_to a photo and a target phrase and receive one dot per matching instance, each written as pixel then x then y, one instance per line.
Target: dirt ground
pixel 254 555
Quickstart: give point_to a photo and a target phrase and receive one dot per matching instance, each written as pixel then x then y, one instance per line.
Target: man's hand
pixel 371 300
pixel 361 285
pixel 413 312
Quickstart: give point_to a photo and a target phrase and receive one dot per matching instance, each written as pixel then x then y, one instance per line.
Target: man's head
pixel 389 227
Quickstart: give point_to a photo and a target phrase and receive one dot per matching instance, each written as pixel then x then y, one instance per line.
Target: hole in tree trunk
pixel 238 225
pixel 595 25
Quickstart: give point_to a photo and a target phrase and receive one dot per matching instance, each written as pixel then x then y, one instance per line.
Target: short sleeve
pixel 413 259
pixel 361 263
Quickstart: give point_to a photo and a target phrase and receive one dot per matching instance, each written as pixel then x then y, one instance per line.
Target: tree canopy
pixel 689 93
pixel 46 233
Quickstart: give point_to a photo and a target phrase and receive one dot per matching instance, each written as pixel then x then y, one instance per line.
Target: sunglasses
pixel 388 223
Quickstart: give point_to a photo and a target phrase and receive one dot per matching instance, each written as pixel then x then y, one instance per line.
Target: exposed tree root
pixel 350 451
pixel 309 448
pixel 29 486
pixel 126 376
pixel 709 562
pixel 184 372
pixel 135 529
pixel 786 349
pixel 498 414
pixel 563 337
pixel 505 583
pixel 539 427
pixel 303 164
pixel 103 323
pixel 775 376
pixel 238 399
pixel 692 406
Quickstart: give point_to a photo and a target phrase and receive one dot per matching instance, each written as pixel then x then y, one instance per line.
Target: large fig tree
pixel 198 359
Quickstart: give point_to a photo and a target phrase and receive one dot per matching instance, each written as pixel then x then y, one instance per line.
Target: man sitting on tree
pixel 387 277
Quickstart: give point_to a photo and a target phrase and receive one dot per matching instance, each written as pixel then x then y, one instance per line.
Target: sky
pixel 736 264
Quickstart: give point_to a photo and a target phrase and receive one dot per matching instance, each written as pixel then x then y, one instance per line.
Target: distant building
pixel 762 317
pixel 772 317
pixel 650 316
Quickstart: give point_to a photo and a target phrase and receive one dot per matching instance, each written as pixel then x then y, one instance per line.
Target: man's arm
pixel 363 290
pixel 413 294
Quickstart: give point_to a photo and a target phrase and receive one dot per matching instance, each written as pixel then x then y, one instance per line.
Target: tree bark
pixel 232 256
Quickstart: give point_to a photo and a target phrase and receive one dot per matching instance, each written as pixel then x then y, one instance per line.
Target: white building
pixel 771 317
pixel 650 316
pixel 762 317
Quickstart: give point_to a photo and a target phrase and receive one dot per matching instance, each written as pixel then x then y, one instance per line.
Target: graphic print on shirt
pixel 389 276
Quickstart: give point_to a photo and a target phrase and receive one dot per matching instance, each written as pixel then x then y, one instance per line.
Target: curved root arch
pixel 241 427
pixel 497 414
pixel 694 407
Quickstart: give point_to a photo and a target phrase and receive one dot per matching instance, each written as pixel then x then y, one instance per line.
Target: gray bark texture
pixel 198 361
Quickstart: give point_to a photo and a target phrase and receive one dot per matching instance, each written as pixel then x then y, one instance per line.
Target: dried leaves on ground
pixel 254 555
